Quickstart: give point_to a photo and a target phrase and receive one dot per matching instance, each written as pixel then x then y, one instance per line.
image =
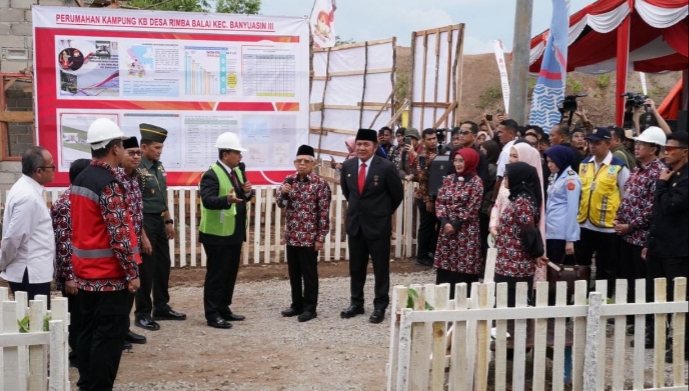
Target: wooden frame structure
pixel 450 101
pixel 362 105
pixel 7 80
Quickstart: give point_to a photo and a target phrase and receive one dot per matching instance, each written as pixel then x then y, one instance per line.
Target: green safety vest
pixel 220 222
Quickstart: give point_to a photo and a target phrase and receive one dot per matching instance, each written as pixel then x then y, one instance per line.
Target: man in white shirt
pixel 507 132
pixel 28 245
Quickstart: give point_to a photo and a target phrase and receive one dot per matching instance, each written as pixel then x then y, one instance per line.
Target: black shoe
pixel 147 323
pixel 352 311
pixel 377 316
pixel 233 317
pixel 424 262
pixel 127 346
pixel 288 313
pixel 219 323
pixel 307 316
pixel 169 314
pixel 133 337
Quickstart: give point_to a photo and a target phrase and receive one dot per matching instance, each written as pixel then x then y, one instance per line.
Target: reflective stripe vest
pixel 92 254
pixel 221 222
pixel 600 196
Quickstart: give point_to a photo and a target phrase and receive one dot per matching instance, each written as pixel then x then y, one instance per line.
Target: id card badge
pixel 222 216
pixel 593 186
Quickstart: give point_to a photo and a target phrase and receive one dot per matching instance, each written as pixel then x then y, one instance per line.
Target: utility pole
pixel 521 46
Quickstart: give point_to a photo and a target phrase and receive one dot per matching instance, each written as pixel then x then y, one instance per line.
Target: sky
pixel 485 20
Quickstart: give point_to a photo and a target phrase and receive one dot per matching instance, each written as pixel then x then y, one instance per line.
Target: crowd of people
pixel 573 195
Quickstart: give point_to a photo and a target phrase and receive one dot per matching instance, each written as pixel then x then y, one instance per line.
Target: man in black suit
pixel 224 193
pixel 373 191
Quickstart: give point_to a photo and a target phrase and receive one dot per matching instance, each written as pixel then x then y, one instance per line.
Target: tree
pixel 238 6
pixel 339 41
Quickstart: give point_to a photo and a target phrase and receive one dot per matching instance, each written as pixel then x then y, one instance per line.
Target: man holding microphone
pixel 306 198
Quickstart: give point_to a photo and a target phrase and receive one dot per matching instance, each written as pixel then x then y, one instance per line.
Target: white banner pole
pixel 502 67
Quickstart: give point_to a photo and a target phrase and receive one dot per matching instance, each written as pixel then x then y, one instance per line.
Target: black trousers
pixel 74 325
pixel 222 266
pixel 606 247
pixel 103 329
pixel 360 248
pixel 483 224
pixel 154 270
pixel 302 265
pixel 449 277
pixel 633 268
pixel 427 237
pixel 31 289
pixel 669 268
pixel 512 288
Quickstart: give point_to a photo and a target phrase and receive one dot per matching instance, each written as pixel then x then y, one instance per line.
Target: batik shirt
pixel 512 259
pixel 132 187
pixel 62 226
pixel 636 208
pixel 307 214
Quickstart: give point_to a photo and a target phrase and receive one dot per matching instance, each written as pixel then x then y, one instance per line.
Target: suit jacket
pixel 371 212
pixel 209 188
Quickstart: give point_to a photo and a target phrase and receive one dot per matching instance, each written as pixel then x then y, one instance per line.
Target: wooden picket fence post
pixel 484 329
pixel 24 355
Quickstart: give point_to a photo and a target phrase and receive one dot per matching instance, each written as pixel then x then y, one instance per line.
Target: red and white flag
pixel 323 23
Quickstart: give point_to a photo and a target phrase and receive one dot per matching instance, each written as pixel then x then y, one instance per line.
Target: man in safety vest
pixel 224 192
pixel 104 257
pixel 603 177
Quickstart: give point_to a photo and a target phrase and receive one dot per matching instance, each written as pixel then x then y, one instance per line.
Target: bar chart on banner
pixel 209 71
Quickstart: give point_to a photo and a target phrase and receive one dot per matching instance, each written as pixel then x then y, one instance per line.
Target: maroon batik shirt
pixel 636 208
pixel 307 215
pixel 115 212
pixel 512 259
pixel 132 186
pixel 62 226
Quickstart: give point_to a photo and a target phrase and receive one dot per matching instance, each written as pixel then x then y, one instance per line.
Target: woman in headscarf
pixel 519 245
pixel 521 152
pixel 458 252
pixel 562 227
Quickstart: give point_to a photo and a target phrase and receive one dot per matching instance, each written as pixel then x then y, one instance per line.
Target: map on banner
pixel 195 75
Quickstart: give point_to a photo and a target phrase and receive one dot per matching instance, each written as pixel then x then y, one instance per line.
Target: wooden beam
pixel 356 45
pixel 334 153
pixel 365 106
pixel 432 105
pixel 16 116
pixel 443 117
pixel 383 107
pixel 10 83
pixel 405 106
pixel 354 73
pixel 317 130
pixel 435 30
pixel 316 106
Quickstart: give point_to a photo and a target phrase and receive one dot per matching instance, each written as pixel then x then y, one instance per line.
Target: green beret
pixel 152 133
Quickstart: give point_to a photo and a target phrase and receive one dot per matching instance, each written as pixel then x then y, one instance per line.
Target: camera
pixel 634 100
pixel 570 103
pixel 440 134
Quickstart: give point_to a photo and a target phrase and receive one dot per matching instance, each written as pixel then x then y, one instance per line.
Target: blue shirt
pixel 562 207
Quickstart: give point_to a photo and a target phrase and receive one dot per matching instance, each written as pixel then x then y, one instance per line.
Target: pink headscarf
pixel 350 143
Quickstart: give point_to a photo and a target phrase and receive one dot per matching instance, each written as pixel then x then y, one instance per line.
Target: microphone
pixel 285 197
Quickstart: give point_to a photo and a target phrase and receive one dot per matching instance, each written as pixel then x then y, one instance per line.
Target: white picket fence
pixel 450 347
pixel 266 224
pixel 37 360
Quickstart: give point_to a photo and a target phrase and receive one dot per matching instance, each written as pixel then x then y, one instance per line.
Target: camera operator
pixel 648 107
pixel 428 222
pixel 409 153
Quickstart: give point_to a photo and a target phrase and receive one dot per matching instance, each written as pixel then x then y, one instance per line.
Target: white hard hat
pixel 101 132
pixel 653 135
pixel 229 140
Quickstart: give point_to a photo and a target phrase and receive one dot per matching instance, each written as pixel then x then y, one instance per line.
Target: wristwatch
pixel 170 221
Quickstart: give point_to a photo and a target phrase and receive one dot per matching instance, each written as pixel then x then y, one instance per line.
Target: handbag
pixel 569 274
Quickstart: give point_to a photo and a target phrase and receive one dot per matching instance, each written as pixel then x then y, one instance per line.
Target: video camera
pixel 569 106
pixel 634 100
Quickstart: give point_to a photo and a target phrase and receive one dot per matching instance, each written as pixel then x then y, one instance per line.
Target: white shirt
pixel 622 178
pixel 504 158
pixel 368 165
pixel 27 234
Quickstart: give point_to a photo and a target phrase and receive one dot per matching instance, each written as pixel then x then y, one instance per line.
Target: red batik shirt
pixel 512 260
pixel 115 212
pixel 132 186
pixel 62 226
pixel 307 215
pixel 636 208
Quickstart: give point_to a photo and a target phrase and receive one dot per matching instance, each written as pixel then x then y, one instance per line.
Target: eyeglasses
pixel 52 166
pixel 134 153
pixel 464 132
pixel 670 149
pixel 303 161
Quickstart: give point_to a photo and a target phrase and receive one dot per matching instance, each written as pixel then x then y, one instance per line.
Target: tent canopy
pixel 658 37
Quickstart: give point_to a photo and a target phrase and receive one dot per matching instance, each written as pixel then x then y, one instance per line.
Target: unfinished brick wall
pixel 16 51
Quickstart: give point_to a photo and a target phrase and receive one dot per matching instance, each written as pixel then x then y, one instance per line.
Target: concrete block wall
pixel 16 51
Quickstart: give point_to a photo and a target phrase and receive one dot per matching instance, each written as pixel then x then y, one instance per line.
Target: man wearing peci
pixel 373 191
pixel 159 229
pixel 224 193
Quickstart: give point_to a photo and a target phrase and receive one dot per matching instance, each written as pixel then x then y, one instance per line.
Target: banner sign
pixel 549 92
pixel 323 23
pixel 502 67
pixel 196 75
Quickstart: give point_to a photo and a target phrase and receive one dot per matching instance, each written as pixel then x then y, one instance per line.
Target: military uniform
pixel 561 214
pixel 155 268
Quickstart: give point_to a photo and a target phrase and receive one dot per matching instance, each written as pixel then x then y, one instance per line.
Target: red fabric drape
pixel 622 64
pixel 676 37
pixel 670 106
pixel 673 62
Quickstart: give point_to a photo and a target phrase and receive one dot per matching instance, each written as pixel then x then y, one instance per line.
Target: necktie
pixel 362 177
pixel 235 182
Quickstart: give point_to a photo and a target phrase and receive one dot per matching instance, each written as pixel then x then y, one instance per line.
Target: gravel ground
pixel 271 353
